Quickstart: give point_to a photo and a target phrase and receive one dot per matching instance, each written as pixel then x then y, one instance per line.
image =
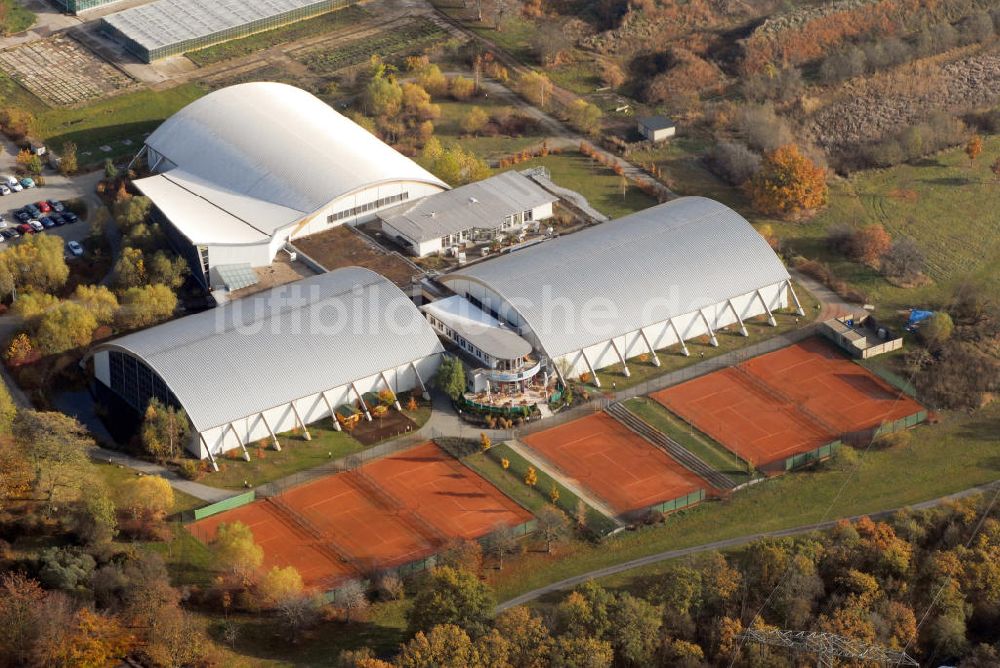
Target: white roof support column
pixel 621 358
pixel 593 374
pixel 652 351
pixel 361 400
pixel 274 439
pixel 743 328
pixel 333 416
pixel 420 382
pixel 798 306
pixel 680 339
pixel 211 457
pixel 711 333
pixel 239 439
pixel 767 309
pixel 395 399
pixel 298 418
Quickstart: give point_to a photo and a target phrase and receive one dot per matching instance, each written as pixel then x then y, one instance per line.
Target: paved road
pixel 727 544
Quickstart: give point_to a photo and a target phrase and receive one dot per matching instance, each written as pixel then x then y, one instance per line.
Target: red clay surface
pixel 615 464
pixel 448 496
pixel 385 514
pixel 283 544
pixel 755 425
pixel 786 402
pixel 817 375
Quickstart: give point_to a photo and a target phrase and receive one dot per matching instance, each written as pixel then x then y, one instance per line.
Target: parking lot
pixel 63 191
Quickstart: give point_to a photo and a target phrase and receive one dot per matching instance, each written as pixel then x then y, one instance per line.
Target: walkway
pixel 726 544
pixel 190 487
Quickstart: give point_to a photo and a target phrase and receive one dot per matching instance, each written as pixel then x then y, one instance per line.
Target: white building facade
pixel 243 170
pixel 633 286
pixel 276 361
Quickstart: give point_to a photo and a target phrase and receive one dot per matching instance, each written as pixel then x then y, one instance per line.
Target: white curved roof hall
pixel 293 341
pixel 279 145
pixel 633 272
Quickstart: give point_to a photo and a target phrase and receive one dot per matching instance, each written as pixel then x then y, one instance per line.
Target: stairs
pixel 688 459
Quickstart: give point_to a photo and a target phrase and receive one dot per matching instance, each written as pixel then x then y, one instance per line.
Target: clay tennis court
pixel 446 494
pixel 385 514
pixel 283 543
pixel 787 402
pixel 817 375
pixel 753 424
pixel 615 464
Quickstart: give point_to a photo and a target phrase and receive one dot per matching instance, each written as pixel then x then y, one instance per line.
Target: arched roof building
pixel 631 286
pixel 277 360
pixel 246 168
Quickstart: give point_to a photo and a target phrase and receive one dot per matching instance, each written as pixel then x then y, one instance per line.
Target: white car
pixel 75 248
pixel 35 225
pixel 16 187
pixel 3 223
pixel 4 190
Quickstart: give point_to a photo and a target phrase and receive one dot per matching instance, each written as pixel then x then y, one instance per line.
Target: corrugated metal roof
pixel 167 22
pixel 482 204
pixel 267 349
pixel 263 151
pixel 479 327
pixel 613 278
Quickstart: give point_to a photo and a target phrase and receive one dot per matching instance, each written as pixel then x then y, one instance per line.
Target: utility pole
pixel 828 647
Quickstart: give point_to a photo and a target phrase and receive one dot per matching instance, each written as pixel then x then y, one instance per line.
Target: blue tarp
pixel 917 317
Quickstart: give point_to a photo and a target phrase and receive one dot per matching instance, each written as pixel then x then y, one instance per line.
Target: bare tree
pixel 351 598
pixel 502 542
pixel 552 525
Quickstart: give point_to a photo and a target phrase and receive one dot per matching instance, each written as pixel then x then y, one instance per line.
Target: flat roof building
pixel 632 286
pixel 275 361
pixel 475 212
pixel 241 171
pixel 170 27
pixel 656 128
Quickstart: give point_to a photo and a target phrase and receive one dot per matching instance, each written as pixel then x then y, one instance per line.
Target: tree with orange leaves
pixel 92 640
pixel 788 182
pixel 974 148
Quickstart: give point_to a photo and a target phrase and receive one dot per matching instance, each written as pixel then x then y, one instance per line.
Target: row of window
pixel 368 206
pixel 513 220
pixel 462 343
pixel 136 383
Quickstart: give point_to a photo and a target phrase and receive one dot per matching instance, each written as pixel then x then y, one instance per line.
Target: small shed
pixel 657 128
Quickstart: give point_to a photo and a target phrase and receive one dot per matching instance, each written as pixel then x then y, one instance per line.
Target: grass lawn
pixel 281 35
pixel 297 454
pixel 946 206
pixel 115 477
pixel 960 452
pixel 579 75
pixel 710 451
pixel 515 38
pixel 13 94
pixel 672 359
pixel 112 121
pixel 448 129
pixel 601 187
pixel 16 18
pixel 511 483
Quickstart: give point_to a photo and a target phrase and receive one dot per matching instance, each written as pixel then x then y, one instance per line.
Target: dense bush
pixel 939 131
pixel 762 128
pixel 734 162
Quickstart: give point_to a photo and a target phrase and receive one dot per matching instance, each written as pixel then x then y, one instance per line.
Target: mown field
pixel 15 17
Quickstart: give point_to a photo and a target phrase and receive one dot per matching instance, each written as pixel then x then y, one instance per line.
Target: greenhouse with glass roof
pixel 171 27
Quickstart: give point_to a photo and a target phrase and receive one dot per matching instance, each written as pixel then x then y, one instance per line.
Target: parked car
pixel 70 217
pixel 3 222
pixel 36 226
pixel 22 215
pixel 43 206
pixel 58 219
pixel 75 248
pixel 27 182
pixel 57 206
pixel 10 233
pixel 47 222
pixel 4 189
pixel 33 210
pixel 24 228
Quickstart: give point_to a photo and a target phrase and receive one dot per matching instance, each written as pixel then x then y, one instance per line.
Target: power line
pixel 827 646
